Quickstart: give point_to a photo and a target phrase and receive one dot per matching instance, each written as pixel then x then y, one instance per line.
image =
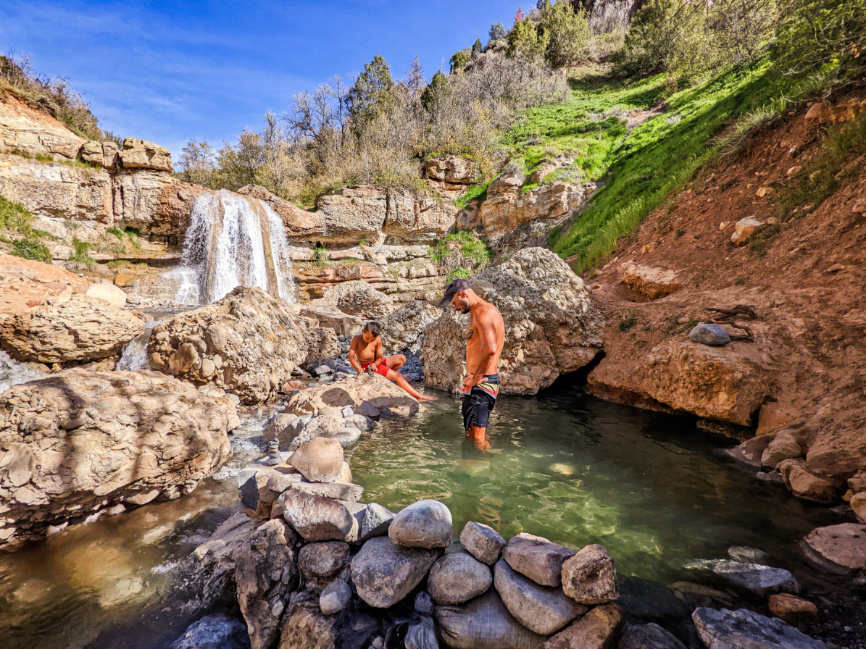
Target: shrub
pixel 497 32
pixel 525 40
pixel 459 61
pixel 461 254
pixel 81 254
pixel 13 216
pixel 31 249
pixel 568 33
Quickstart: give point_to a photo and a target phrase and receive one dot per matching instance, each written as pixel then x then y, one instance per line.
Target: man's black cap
pixel 453 289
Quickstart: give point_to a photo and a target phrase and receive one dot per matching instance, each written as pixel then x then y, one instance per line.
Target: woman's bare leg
pixel 400 380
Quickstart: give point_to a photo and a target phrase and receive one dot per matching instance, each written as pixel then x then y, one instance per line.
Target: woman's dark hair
pixel 373 328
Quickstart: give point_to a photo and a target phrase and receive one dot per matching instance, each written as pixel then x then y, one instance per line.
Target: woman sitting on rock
pixel 366 355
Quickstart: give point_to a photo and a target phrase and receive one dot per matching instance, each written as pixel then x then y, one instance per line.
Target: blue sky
pixel 171 71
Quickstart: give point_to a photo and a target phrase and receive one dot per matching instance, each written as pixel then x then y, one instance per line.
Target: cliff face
pixel 802 374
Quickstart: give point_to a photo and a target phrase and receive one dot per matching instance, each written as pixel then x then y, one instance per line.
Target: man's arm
pixel 353 359
pixel 487 350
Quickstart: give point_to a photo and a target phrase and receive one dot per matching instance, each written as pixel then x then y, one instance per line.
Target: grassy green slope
pixel 639 167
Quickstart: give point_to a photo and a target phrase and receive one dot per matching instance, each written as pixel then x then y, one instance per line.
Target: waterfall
pixel 13 373
pixel 134 355
pixel 233 240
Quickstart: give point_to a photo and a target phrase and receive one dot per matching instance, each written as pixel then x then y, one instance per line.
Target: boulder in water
pixel 265 574
pixel 482 541
pixel 70 329
pixel 752 577
pixel 537 558
pixel 319 460
pixel 541 609
pixel 214 632
pixel 648 636
pixel 81 441
pixel 384 572
pixel 458 577
pixel 484 623
pixel 597 629
pixel 553 326
pixel 316 518
pixel 423 524
pixel 252 340
pixel 589 576
pixel 726 629
pixel 837 549
pixel 364 392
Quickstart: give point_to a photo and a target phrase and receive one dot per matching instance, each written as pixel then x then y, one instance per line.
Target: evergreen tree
pixel 568 33
pixel 459 61
pixel 525 39
pixel 373 92
pixel 438 89
pixel 497 32
pixel 477 48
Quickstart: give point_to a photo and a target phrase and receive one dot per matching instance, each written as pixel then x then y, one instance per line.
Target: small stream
pixel 650 487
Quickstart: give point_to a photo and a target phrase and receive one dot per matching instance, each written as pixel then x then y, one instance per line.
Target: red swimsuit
pixel 382 368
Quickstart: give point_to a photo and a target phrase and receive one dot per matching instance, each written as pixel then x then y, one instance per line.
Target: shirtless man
pixel 365 355
pixel 484 341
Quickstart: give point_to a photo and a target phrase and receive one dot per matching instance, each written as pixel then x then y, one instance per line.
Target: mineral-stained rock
pixel 552 326
pixel 155 203
pixel 726 629
pixel 403 329
pixel 265 574
pixel 82 441
pixel 482 542
pixel 544 610
pixel 458 577
pixel 361 392
pixel 597 629
pixel 322 344
pixel 214 632
pixel 221 333
pixel 316 518
pixel 24 282
pixel 589 576
pixel 305 626
pixel 138 154
pixel 323 560
pixel 418 218
pixel 837 548
pixel 453 170
pixel 648 636
pixel 32 131
pixel 319 460
pixel 537 558
pixel 423 524
pixel 710 334
pixel 484 623
pixel 792 609
pixel 356 298
pixel 69 329
pixel 384 572
pixel 755 578
pixel 335 597
pixel 653 283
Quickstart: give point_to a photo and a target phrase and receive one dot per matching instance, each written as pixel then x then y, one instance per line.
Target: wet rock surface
pixel 368 395
pixel 754 578
pixel 744 629
pixel 482 542
pixel 589 577
pixel 837 549
pixel 648 636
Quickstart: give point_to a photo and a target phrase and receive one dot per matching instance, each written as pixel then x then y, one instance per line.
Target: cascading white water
pixel 226 247
pixel 13 372
pixel 134 355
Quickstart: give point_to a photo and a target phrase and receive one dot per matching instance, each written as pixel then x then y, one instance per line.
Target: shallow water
pixel 650 487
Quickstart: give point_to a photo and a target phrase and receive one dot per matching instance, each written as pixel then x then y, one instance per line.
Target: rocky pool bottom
pixel 651 488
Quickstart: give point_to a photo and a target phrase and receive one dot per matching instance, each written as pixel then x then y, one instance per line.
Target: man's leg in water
pixel 400 380
pixel 479 436
pixel 395 362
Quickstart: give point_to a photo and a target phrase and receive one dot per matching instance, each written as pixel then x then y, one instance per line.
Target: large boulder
pixel 597 629
pixel 319 460
pixel 551 325
pixel 306 626
pixel 139 154
pixel 753 578
pixel 155 203
pixel 544 610
pixel 357 298
pixel 265 574
pixel 367 394
pixel 653 283
pixel 26 129
pixel 384 572
pixel 423 524
pixel 537 558
pixel 70 329
pixel 212 344
pixel 726 629
pixel 413 219
pixel 484 623
pixel 80 441
pixel 482 541
pixel 458 577
pixel 648 636
pixel 589 577
pixel 403 329
pixel 839 549
pixel 452 170
pixel 316 518
pixel 25 283
pixel 353 212
pixel 322 344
